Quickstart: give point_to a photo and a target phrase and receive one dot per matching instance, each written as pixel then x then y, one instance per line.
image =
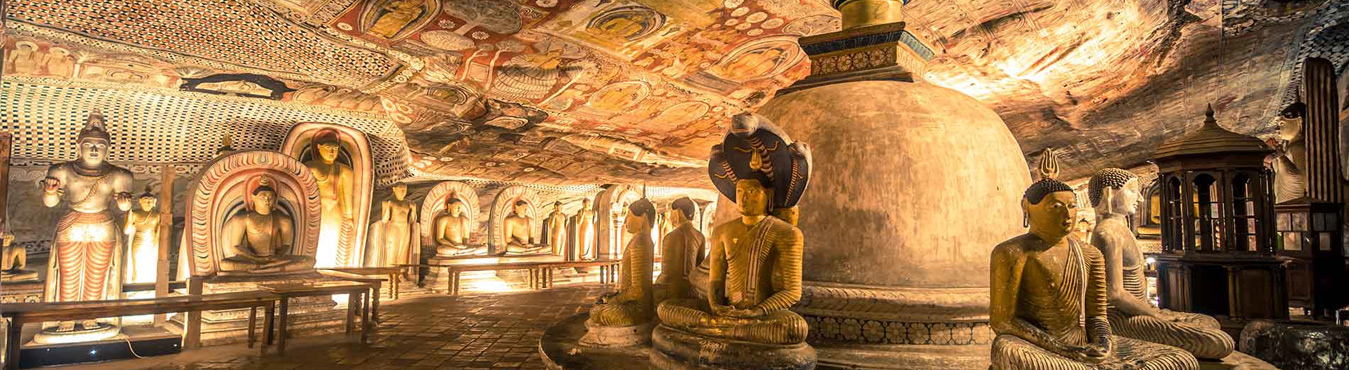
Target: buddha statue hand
pixel 123 201
pixel 748 313
pixel 606 298
pixel 52 185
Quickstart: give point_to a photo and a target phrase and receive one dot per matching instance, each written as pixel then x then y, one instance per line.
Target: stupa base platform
pixel 560 348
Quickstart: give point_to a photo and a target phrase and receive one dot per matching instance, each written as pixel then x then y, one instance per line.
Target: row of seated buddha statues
pixel 755 260
pixel 1058 304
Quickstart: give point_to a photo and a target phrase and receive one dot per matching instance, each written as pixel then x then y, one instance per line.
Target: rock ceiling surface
pixel 596 91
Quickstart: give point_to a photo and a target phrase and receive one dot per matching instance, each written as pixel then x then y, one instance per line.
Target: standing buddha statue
pixel 142 231
pixel 1044 284
pixel 683 250
pixel 585 231
pixel 392 243
pixel 556 226
pixel 1290 160
pixel 85 250
pixel 1114 195
pixel 335 183
pixel 623 317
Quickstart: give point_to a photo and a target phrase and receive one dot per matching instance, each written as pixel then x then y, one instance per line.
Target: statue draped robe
pixel 633 304
pixel 682 247
pixel 1198 334
pixel 1058 312
pixel 762 271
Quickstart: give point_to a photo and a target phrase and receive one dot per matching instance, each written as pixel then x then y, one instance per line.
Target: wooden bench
pixel 393 273
pixel 357 294
pixel 608 270
pixel 21 313
pixel 540 272
pixel 374 282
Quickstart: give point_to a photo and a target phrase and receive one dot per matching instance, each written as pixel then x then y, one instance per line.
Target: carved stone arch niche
pixel 355 152
pixel 502 206
pixel 219 194
pixel 434 204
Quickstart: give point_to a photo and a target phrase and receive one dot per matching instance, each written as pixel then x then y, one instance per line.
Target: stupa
pixel 914 185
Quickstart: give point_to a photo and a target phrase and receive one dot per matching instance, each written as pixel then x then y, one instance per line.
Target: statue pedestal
pixel 22 291
pixel 1297 344
pixel 676 349
pixel 560 348
pixel 308 315
pixel 617 336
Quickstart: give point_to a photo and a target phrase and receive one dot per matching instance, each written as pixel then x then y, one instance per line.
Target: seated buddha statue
pixel 452 231
pixel 259 241
pixel 517 228
pixel 1114 195
pixel 683 247
pixel 1048 298
pixel 755 277
pixel 13 261
pixel 623 317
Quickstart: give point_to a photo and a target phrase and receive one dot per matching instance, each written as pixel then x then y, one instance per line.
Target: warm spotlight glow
pixel 329 239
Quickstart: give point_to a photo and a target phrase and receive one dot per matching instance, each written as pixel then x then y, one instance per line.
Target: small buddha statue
pixel 1048 298
pixel 142 230
pixel 755 277
pixel 13 261
pixel 683 247
pixel 585 231
pixel 1290 160
pixel 1114 194
pixel 556 225
pixel 517 228
pixel 632 305
pixel 452 231
pixel 398 220
pixel 336 184
pixel 259 240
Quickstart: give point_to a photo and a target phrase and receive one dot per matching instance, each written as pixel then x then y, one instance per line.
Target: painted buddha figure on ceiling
pixel 451 230
pixel 85 252
pixel 623 317
pixel 1043 284
pixel 259 240
pixel 518 229
pixel 142 230
pixel 336 188
pixel 1114 195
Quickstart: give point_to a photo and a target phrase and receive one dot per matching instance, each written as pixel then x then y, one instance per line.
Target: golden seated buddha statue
pixel 1114 194
pixel 623 317
pixel 755 277
pixel 1042 286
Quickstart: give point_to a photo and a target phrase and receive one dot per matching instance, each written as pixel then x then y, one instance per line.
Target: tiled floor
pixel 485 331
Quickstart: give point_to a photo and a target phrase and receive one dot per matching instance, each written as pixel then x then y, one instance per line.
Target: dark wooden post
pixel 165 238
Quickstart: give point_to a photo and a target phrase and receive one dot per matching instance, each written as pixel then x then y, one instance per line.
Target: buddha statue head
pixel 752 197
pixel 263 197
pixel 328 145
pixel 557 207
pixel 641 215
pixel 93 141
pixel 522 209
pixel 1290 121
pixel 1051 208
pixel 453 206
pixel 400 191
pixel 147 200
pixel 1114 191
pixel 585 204
pixel 682 211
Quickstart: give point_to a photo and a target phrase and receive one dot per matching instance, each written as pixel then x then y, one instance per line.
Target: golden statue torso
pixel 90 192
pixel 262 235
pixel 400 212
pixel 517 230
pixel 451 230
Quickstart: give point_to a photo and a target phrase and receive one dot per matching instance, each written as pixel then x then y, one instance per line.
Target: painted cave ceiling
pixel 601 91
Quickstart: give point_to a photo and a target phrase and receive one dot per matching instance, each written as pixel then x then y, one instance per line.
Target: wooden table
pixel 20 313
pixel 540 272
pixel 394 274
pixel 352 289
pixel 608 270
pixel 374 283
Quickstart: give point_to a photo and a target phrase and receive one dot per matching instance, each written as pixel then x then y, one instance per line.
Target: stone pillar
pixel 1320 129
pixel 913 185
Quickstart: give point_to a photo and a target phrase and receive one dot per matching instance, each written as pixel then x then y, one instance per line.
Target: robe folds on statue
pixel 85 259
pixel 755 282
pixel 380 238
pixel 1058 311
pixel 1199 334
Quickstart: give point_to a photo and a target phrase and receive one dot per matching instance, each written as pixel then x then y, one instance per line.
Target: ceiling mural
pixel 600 91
